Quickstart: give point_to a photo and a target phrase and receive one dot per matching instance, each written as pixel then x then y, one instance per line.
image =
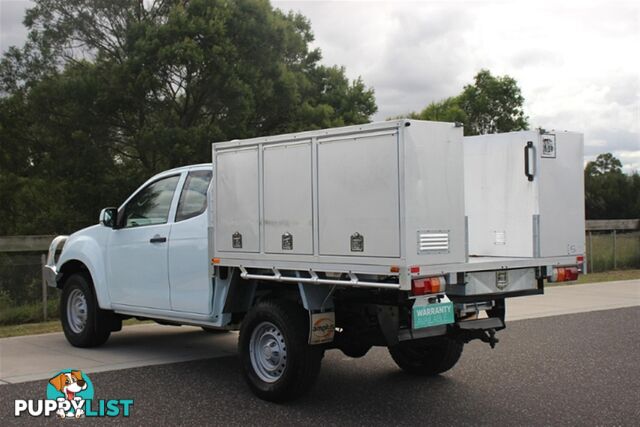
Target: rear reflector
pixel 427 285
pixel 564 274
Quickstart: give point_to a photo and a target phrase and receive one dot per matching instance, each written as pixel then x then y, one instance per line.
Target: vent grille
pixel 433 242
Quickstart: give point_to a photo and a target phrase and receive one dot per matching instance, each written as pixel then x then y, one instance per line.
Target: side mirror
pixel 108 217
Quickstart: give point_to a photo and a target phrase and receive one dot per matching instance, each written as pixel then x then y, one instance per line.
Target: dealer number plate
pixel 436 314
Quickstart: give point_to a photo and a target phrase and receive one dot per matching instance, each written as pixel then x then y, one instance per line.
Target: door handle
pixel 158 239
pixel 529 161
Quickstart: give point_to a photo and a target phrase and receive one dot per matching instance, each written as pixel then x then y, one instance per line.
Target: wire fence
pixel 24 298
pixel 612 250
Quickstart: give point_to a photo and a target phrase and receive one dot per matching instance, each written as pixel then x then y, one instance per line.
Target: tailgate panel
pixel 493 282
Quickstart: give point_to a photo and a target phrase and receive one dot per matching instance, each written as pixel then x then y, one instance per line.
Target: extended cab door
pixel 191 286
pixel 137 251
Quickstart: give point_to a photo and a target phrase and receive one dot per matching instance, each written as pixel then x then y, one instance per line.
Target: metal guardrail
pixel 25 243
pixel 42 242
pixel 617 229
pixel 612 224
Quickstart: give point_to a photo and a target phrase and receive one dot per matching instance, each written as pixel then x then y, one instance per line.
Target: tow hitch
pixel 490 337
pixel 484 335
pixel 481 329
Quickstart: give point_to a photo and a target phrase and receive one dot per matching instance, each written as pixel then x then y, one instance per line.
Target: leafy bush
pixel 27 313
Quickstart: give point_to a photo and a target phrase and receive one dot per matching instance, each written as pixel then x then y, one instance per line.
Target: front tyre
pixel 428 356
pixel 278 363
pixel 83 322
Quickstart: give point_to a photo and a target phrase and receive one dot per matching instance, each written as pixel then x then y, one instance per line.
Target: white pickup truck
pixel 400 234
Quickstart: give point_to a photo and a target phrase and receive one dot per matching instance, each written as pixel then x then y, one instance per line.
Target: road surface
pixel 577 369
pixel 547 369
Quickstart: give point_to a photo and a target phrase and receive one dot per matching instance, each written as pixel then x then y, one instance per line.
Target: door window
pixel 151 205
pixel 193 199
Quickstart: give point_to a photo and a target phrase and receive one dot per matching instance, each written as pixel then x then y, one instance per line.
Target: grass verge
pixel 13 314
pixel 627 250
pixel 47 327
pixel 609 276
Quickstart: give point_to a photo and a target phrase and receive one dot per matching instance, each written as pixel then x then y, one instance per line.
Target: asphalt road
pixel 578 369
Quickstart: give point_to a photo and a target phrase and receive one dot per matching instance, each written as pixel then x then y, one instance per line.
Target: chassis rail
pixel 315 280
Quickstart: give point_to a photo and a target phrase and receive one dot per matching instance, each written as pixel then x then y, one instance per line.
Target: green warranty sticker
pixel 428 315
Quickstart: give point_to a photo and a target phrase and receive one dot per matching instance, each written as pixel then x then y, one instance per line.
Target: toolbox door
pixel 237 201
pixel 358 195
pixel 561 195
pixel 288 215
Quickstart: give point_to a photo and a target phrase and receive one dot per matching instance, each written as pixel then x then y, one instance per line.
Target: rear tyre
pixel 429 356
pixel 278 363
pixel 83 322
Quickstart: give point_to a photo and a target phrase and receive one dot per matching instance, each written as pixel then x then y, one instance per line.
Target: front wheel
pixel 278 363
pixel 428 356
pixel 83 322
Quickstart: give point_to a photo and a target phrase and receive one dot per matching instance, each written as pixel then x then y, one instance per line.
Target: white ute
pixel 400 234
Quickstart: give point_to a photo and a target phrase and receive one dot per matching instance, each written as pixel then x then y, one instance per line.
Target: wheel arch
pixel 241 295
pixel 70 267
pixel 80 262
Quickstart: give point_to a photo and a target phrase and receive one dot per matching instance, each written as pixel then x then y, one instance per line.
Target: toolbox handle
pixel 529 160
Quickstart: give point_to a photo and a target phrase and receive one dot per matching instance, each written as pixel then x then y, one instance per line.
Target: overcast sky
pixel 577 63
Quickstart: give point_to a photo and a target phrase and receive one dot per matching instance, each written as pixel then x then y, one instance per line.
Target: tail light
pixel 564 274
pixel 428 285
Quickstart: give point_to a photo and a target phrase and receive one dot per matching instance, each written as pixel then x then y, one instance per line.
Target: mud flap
pixel 322 327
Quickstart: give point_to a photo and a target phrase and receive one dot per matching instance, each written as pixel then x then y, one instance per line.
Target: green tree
pixel 489 105
pixel 107 92
pixel 493 105
pixel 610 193
pixel 604 164
pixel 446 110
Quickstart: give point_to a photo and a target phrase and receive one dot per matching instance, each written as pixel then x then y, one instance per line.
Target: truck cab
pixel 151 253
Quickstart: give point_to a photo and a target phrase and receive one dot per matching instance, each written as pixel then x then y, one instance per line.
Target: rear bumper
pixel 539 290
pixel 489 323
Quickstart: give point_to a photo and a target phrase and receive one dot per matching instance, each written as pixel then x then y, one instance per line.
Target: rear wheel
pixel 278 363
pixel 83 322
pixel 429 356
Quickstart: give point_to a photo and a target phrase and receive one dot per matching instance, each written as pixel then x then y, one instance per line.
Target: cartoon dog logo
pixel 69 384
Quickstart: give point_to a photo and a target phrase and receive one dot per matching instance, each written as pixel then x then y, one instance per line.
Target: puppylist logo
pixel 70 394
